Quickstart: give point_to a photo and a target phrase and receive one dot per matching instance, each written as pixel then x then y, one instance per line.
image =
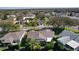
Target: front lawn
pixel 2 48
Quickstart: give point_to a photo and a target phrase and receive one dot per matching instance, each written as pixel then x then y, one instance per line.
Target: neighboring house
pixel 69 39
pixel 13 17
pixel 75 27
pixel 68 43
pixel 47 14
pixel 29 16
pixel 41 35
pixel 12 37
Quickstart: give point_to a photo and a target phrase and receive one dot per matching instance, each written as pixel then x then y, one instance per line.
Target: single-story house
pixel 69 39
pixel 12 37
pixel 41 35
pixel 13 17
pixel 47 14
pixel 28 16
pixel 68 43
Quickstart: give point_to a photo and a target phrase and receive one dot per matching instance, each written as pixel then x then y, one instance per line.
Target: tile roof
pixel 12 36
pixel 42 34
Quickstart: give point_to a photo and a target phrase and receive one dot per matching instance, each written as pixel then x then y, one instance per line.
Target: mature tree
pixel 59 21
pixel 9 26
pixel 34 44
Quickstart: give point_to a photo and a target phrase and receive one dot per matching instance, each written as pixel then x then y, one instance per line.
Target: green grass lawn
pixel 70 29
pixel 3 48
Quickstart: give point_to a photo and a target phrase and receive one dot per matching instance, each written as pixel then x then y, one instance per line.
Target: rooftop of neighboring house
pixel 12 37
pixel 11 16
pixel 29 16
pixel 69 38
pixel 41 34
pixel 47 14
pixel 69 33
pixel 64 39
pixel 73 44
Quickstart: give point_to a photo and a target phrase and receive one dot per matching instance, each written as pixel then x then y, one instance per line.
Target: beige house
pixel 12 37
pixel 41 35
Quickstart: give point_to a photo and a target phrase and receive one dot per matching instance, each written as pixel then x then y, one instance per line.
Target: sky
pixel 39 3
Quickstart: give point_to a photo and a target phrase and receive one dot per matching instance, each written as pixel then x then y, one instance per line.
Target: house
pixel 12 37
pixel 75 27
pixel 41 35
pixel 29 16
pixel 13 17
pixel 69 39
pixel 47 14
pixel 68 43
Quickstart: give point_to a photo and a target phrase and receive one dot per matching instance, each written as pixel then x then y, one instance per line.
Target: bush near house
pixel 57 30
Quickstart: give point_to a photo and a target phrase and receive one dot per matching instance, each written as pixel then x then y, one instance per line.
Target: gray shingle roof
pixel 69 33
pixel 74 39
pixel 77 39
pixel 12 36
pixel 64 39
